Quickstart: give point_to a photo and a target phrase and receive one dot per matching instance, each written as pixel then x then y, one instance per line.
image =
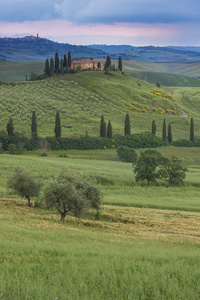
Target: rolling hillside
pixel 82 98
pixel 164 73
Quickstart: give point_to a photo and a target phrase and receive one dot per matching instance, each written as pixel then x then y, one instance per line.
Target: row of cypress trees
pixel 105 131
pixel 168 136
pixel 56 66
pixel 108 63
pixel 166 132
pixel 34 134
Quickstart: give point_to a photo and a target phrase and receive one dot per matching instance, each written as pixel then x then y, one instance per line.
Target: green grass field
pixel 145 245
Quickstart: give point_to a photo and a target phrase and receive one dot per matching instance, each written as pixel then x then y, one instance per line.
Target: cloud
pixel 27 10
pixel 137 11
pixel 103 11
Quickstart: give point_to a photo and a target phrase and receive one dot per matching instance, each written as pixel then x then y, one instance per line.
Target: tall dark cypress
pixel 65 61
pixel 108 62
pixel 10 127
pixel 120 63
pixel 56 63
pixel 192 130
pixel 153 130
pixel 164 131
pixel 47 69
pixel 109 130
pixel 127 127
pixel 169 136
pixel 69 61
pixel 51 73
pixel 102 127
pixel 34 126
pixel 57 129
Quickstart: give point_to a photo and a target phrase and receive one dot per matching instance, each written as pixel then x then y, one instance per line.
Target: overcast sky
pixel 133 22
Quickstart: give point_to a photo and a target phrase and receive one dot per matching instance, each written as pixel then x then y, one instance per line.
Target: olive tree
pixel 24 184
pixel 69 192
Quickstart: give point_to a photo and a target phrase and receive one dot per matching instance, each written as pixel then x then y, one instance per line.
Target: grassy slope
pixel 145 255
pixel 10 71
pixel 181 68
pixel 131 252
pixel 82 98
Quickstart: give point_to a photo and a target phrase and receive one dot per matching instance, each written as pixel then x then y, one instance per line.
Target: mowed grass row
pixel 82 98
pixel 155 257
pixel 115 178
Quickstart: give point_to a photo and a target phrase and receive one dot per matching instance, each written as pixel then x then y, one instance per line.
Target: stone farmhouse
pixel 86 63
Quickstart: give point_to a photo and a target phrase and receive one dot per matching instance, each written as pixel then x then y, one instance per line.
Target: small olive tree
pixel 24 184
pixel 69 192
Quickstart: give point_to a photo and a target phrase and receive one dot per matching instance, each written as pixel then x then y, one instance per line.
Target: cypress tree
pixel 99 65
pixel 34 126
pixel 120 63
pixel 169 137
pixel 164 132
pixel 69 61
pixel 102 127
pixel 65 61
pixel 109 130
pixel 153 127
pixel 57 129
pixel 108 62
pixel 127 127
pixel 51 67
pixel 47 69
pixel 10 127
pixel 56 63
pixel 192 130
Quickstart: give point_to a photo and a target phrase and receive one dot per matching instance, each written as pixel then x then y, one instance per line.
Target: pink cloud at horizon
pixel 63 30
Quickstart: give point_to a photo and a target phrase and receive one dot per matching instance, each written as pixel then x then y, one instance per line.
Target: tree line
pixel 15 142
pixel 57 66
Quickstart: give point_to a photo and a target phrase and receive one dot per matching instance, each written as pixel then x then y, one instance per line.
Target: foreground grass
pixel 131 254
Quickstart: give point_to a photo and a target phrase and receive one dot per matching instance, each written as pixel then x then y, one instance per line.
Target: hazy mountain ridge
pixel 32 48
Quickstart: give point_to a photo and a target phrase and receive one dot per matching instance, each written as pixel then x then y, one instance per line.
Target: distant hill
pixel 111 48
pixel 32 48
pixel 152 53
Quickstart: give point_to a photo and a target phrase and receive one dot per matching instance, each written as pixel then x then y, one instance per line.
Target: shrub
pixel 15 149
pixel 126 154
pixel 182 143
